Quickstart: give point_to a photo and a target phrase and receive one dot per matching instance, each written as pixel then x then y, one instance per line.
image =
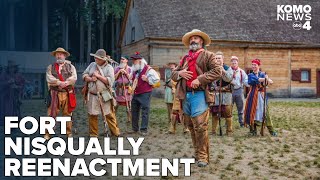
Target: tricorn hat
pixel 196 32
pixel 61 50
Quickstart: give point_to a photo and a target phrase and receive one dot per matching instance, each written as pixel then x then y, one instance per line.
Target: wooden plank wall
pixel 278 62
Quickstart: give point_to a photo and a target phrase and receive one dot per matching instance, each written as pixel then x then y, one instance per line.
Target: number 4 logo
pixel 307 25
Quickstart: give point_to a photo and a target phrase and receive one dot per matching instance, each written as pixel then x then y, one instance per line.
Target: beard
pixel 122 65
pixel 194 46
pixel 60 61
pixel 137 67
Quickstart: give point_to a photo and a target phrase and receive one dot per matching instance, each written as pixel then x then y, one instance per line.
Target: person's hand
pixel 94 79
pixel 261 79
pixel 195 83
pixel 123 71
pixel 185 74
pixel 63 84
pixel 217 88
pixel 96 74
pixel 144 78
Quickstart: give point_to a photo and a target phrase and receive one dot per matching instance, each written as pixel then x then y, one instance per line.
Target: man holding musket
pixel 100 76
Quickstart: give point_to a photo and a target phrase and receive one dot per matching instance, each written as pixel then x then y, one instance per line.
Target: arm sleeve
pixel 153 77
pixel 50 78
pixel 227 77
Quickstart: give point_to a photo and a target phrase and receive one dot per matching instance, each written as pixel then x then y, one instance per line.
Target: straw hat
pixel 196 32
pixel 101 54
pixel 61 50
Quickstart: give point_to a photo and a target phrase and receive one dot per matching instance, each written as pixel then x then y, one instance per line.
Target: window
pixel 302 75
pixel 133 34
pixel 305 75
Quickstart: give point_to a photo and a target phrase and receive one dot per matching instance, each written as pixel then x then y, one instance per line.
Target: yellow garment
pixel 176 101
pixel 111 121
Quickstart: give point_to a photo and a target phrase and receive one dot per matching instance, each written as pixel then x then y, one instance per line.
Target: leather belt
pixel 55 88
pixel 189 89
pixel 238 88
pixel 93 93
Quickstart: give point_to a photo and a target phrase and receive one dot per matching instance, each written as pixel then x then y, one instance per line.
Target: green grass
pixel 293 155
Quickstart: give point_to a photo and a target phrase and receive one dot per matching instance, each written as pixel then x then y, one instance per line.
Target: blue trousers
pixel 195 104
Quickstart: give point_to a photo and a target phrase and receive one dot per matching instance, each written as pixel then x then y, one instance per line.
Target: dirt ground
pixel 294 154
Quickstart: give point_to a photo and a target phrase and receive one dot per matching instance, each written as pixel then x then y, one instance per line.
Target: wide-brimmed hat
pixel 101 54
pixel 171 62
pixel 61 50
pixel 196 32
pixel 136 56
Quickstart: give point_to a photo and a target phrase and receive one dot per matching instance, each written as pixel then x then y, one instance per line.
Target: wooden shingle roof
pixel 239 20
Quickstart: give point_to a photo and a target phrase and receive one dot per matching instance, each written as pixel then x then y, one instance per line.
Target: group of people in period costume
pixel 200 84
pixel 105 89
pixel 203 83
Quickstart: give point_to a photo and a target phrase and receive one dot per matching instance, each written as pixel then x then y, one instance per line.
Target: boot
pixel 215 122
pixel 200 124
pixel 272 131
pixel 172 129
pixel 253 130
pixel 185 125
pixel 46 135
pixel 69 129
pixel 229 126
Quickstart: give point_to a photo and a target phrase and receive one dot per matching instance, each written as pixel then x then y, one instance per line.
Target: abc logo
pixel 297 25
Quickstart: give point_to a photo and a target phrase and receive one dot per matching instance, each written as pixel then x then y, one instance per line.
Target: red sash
pixel 72 103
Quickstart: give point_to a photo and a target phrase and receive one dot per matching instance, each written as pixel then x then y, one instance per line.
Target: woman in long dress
pixel 255 101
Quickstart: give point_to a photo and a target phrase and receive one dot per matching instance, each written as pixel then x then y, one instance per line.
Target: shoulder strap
pixel 56 67
pixel 100 70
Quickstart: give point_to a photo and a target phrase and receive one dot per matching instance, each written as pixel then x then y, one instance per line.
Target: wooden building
pixel 247 29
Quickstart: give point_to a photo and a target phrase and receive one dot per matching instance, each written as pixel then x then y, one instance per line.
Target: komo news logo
pixel 300 15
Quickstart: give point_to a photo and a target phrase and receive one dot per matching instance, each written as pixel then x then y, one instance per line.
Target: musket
pixel 106 132
pixel 219 111
pixel 264 106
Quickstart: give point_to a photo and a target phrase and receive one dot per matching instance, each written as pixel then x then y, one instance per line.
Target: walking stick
pixel 219 111
pixel 106 132
pixel 264 106
pixel 126 99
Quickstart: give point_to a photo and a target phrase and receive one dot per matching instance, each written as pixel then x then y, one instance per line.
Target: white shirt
pixel 236 81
